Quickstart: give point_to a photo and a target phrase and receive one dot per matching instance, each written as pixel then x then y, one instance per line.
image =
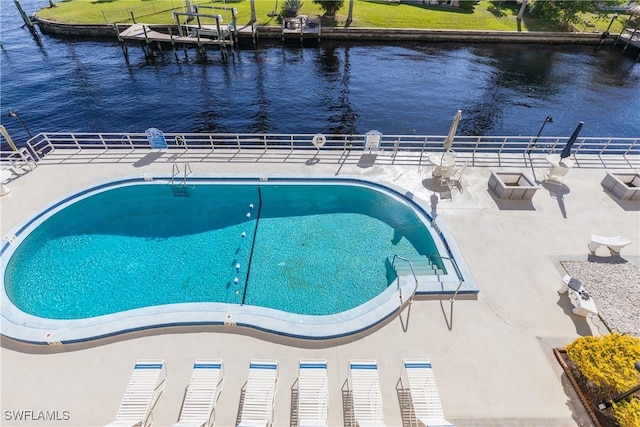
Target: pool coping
pixel 23 327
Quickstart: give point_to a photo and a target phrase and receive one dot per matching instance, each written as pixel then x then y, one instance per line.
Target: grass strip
pixel 486 15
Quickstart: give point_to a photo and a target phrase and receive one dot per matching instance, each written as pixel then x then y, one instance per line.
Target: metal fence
pixel 43 143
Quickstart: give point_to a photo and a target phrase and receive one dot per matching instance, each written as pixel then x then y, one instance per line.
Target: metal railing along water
pixel 19 158
pixel 475 146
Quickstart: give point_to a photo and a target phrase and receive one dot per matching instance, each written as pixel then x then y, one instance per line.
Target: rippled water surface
pixel 404 88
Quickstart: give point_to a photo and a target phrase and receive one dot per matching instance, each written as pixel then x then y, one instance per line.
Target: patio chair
pixel 452 176
pixel 313 393
pixel 203 391
pixel 143 390
pixel 555 174
pixel 425 398
pixel 365 389
pixel 259 394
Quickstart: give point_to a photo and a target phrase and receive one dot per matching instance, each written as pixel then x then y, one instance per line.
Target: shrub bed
pixel 602 368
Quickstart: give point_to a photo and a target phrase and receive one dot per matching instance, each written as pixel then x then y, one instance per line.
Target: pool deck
pixel 492 357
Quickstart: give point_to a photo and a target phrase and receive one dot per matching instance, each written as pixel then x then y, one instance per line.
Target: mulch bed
pixel 590 395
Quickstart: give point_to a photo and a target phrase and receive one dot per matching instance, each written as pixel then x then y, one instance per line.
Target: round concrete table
pixel 442 161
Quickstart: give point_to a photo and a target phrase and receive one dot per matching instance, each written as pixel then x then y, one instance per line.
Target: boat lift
pixel 218 31
pixel 200 35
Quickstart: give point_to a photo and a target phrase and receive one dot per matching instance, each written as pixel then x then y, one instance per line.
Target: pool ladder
pixel 179 186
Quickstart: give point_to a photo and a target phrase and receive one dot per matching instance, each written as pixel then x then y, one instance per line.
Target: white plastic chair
pixel 203 391
pixel 453 176
pixel 143 390
pixel 425 397
pixel 555 174
pixel 259 394
pixel 313 393
pixel 365 388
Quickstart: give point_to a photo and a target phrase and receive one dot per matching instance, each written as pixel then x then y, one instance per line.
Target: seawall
pixel 360 33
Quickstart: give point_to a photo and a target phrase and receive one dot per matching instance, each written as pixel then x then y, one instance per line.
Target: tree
pixel 330 7
pixel 467 4
pixel 523 7
pixel 568 12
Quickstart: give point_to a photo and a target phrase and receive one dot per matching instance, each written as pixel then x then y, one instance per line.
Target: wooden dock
pixel 145 33
pixel 630 37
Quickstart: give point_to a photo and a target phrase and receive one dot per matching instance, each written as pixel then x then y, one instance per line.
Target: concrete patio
pixel 492 356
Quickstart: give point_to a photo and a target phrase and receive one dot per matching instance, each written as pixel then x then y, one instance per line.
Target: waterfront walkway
pixel 492 356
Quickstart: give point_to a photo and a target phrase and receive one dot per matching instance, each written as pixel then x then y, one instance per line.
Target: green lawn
pixel 486 15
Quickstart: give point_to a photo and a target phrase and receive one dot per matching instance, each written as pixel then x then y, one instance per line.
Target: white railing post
pixel 631 147
pixel 396 147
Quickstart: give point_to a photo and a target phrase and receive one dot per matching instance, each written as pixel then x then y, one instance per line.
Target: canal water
pixel 67 85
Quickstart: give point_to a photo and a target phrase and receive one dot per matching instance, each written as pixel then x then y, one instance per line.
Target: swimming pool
pixel 300 257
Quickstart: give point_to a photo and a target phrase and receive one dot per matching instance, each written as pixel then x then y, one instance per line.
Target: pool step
pixel 180 190
pixel 421 266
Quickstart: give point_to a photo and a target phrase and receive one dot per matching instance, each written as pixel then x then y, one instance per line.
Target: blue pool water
pixel 315 249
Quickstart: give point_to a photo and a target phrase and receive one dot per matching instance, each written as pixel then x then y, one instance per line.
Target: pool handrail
pixel 175 171
pixel 415 278
pixel 453 261
pixel 457 270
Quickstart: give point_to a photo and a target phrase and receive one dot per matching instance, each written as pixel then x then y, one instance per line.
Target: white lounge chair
pixel 313 393
pixel 555 174
pixel 203 391
pixel 615 244
pixel 143 390
pixel 365 388
pixel 425 397
pixel 259 394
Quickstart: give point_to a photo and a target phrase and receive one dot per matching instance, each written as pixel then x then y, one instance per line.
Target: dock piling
pixel 24 16
pixel 173 44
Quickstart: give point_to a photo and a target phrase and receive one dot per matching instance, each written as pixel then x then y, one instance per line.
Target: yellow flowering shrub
pixel 608 362
pixel 627 413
